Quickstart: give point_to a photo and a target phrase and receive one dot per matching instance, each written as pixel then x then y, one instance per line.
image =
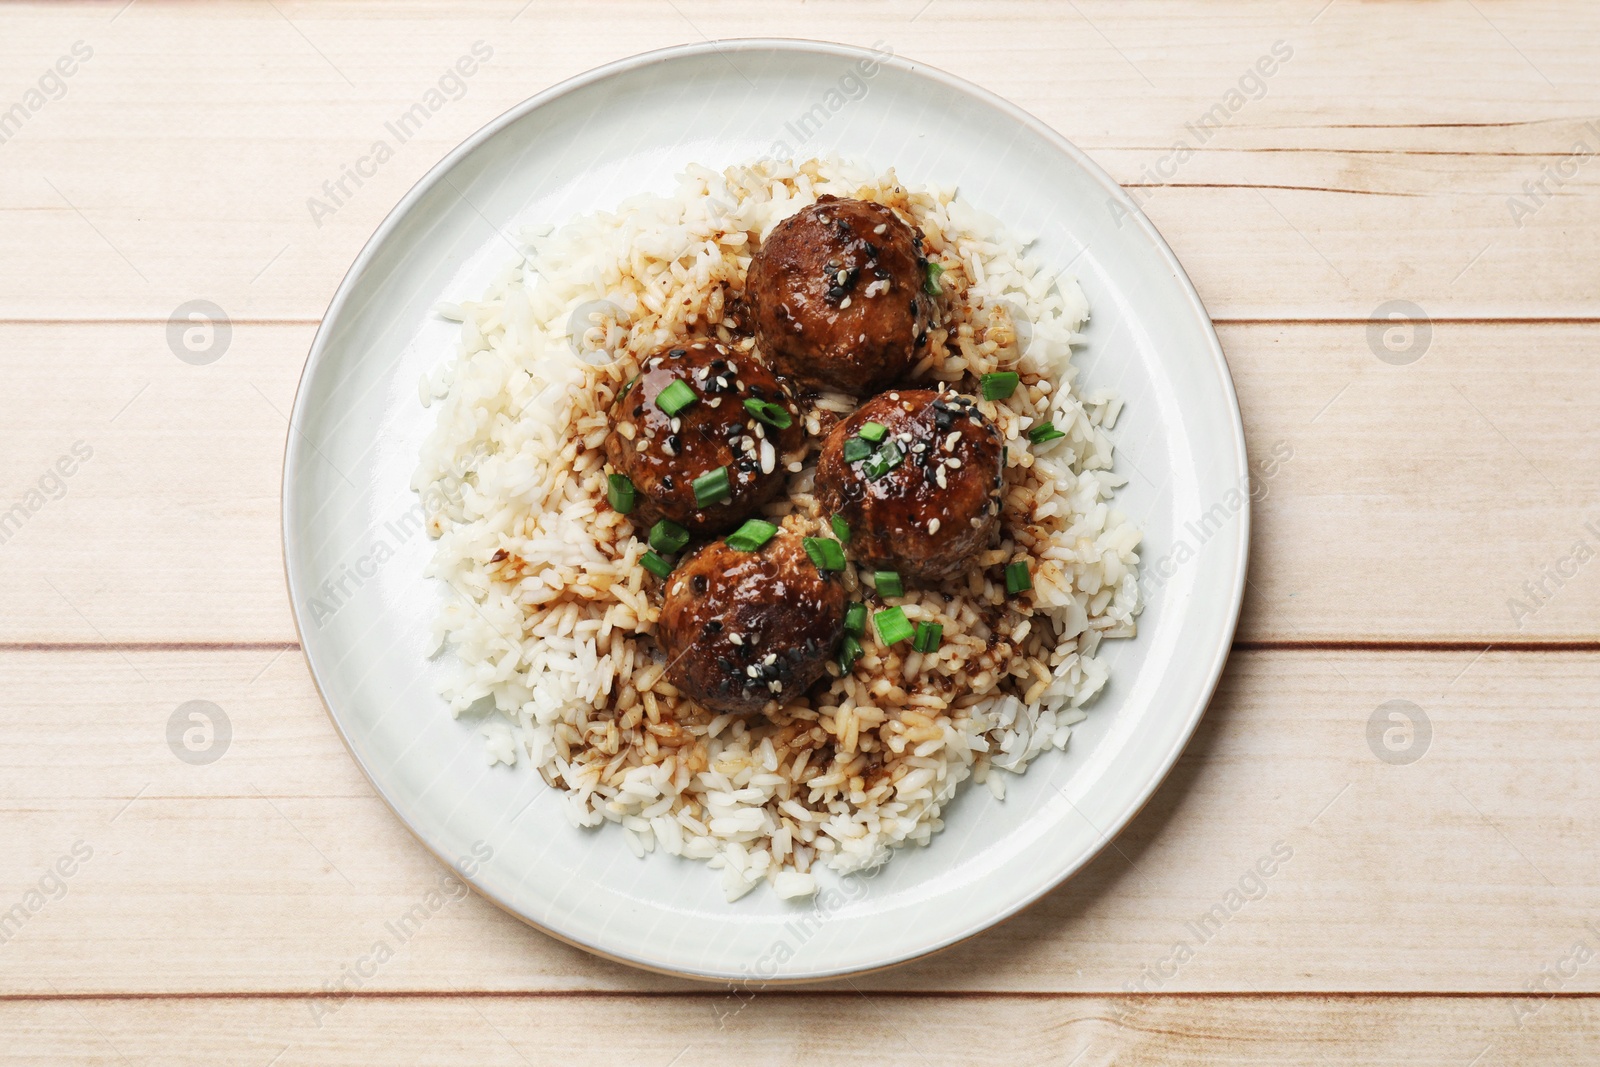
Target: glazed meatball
pixel 927 499
pixel 663 454
pixel 741 629
pixel 837 296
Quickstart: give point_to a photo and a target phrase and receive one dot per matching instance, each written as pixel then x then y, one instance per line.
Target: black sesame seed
pixel 714 626
pixel 678 353
pixel 667 483
pixel 698 583
pixel 674 442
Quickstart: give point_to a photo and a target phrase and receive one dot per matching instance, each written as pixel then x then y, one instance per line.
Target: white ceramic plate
pixel 355 554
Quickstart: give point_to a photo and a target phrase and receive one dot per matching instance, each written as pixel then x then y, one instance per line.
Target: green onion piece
pixel 619 491
pixel 855 619
pixel 1017 578
pixel 873 431
pixel 712 488
pixel 841 529
pixel 825 552
pixel 675 397
pixel 893 626
pixel 752 535
pixel 626 388
pixel 855 448
pixel 1005 455
pixel 930 284
pixel 888 583
pixel 656 565
pixel 772 414
pixel 1045 431
pixel 999 385
pixel 928 637
pixel 849 652
pixel 885 459
pixel 667 537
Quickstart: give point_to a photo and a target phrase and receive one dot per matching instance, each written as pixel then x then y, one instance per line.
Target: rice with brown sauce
pixel 553 615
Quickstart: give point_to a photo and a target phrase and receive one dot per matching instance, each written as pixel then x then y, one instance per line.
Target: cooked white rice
pixel 554 615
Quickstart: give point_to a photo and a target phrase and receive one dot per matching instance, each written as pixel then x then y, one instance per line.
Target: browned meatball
pixel 741 629
pixel 837 296
pixel 928 515
pixel 663 455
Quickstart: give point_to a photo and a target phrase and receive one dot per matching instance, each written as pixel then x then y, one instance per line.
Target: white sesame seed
pixel 976 522
pixel 640 445
pixel 775 687
pixel 919 447
pixel 938 476
pixel 950 441
pixel 752 671
pixel 772 657
pixel 676 424
pixel 761 431
pixel 933 527
pixel 841 277
pixel 738 383
pixel 714 402
pixel 881 228
pixel 796 467
pixel 666 446
pixel 894 396
pixel 954 463
pixel 735 638
pixel 769 458
pixel 844 303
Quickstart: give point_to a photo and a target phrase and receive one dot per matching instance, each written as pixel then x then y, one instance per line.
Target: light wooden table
pixel 1434 153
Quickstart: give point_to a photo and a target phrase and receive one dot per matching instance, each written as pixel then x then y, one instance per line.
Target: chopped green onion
pixel 849 652
pixel 752 535
pixel 885 459
pixel 855 448
pixel 775 415
pixel 999 385
pixel 675 397
pixel 841 529
pixel 893 626
pixel 1005 455
pixel 888 583
pixel 626 388
pixel 930 284
pixel 667 537
pixel 928 636
pixel 711 488
pixel 656 565
pixel 825 552
pixel 855 619
pixel 619 491
pixel 1045 431
pixel 1018 579
pixel 872 431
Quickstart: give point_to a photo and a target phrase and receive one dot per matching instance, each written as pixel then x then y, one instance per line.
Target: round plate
pixel 355 551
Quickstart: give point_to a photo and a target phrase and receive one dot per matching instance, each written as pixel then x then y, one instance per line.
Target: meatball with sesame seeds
pixel 743 629
pixel 917 475
pixel 701 434
pixel 837 296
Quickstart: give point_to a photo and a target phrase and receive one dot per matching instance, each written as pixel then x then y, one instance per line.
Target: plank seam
pixel 712 991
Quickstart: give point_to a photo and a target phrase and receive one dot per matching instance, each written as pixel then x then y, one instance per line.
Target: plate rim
pixel 1218 656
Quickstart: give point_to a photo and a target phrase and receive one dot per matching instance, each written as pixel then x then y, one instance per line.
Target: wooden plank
pixel 786 1029
pixel 1365 171
pixel 275 868
pixel 1419 502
